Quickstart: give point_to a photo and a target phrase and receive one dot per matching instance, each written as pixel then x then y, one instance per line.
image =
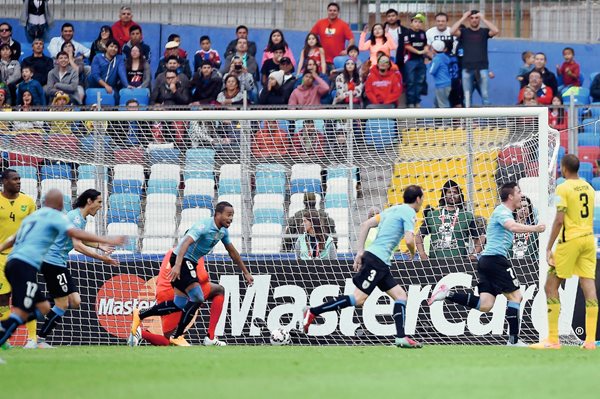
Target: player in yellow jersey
pixel 575 252
pixel 14 207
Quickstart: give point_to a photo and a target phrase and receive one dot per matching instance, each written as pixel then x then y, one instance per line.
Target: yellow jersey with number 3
pixel 12 213
pixel 576 198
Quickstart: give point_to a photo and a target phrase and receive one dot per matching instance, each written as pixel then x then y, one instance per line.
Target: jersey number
pixel 585 212
pixel 12 216
pixel 192 268
pixel 62 281
pixel 30 294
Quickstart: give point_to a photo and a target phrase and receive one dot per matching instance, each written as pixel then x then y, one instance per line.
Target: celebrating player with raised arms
pixel 496 275
pixel 197 242
pixel 575 253
pixel 373 265
pixel 30 245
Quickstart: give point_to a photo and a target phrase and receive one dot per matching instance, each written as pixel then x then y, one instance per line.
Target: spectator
pixel 311 66
pixel 383 86
pixel 10 70
pixel 528 58
pixel 64 78
pixel 289 80
pixel 242 33
pixel 295 223
pixel 138 69
pixel 206 53
pixel 309 93
pixel 308 142
pixel 247 59
pixel 548 77
pixel 99 45
pixel 353 53
pixel 206 84
pixel 595 89
pixel 5 126
pixel 380 40
pixel 172 92
pixel 6 38
pixel 238 70
pixel 108 69
pixel 173 64
pixel 441 31
pixel 121 28
pixel 557 115
pixel 60 103
pixel 451 227
pixel 270 141
pixel 544 93
pixel 41 63
pixel 569 71
pixel 473 39
pixel 27 105
pixel 231 94
pixel 172 51
pixel 272 64
pixel 416 48
pixel 525 245
pixel 440 70
pixel 31 85
pixel 348 82
pixel 333 34
pixel 272 94
pixel 130 133
pixel 136 39
pixel 181 53
pixel 67 32
pixel 314 243
pixel 36 17
pixel 529 96
pixel 276 40
pixel 312 50
pixel 76 61
pixel 398 33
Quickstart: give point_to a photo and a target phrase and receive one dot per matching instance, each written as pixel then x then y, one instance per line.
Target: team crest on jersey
pixel 365 285
pixel 23 208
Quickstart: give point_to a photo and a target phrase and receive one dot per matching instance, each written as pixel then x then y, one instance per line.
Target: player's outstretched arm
pixel 237 259
pixel 8 243
pixel 557 225
pixel 87 251
pixel 420 247
pixel 89 237
pixel 409 238
pixel 515 227
pixel 362 237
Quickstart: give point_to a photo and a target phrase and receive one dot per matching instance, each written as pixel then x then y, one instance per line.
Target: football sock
pixel 591 319
pixel 553 313
pixel 512 317
pixel 36 315
pixel 216 307
pixel 186 317
pixel 4 312
pixel 160 309
pixel 468 299
pixel 399 316
pixel 31 329
pixel 155 339
pixel 8 327
pixel 52 319
pixel 340 302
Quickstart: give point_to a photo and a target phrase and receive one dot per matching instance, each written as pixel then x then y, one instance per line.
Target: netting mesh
pixel 160 176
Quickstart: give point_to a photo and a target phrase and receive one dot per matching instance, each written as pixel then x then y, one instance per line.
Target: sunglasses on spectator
pixel 5 30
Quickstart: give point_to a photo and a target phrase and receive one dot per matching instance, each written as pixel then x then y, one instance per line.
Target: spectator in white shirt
pixel 67 32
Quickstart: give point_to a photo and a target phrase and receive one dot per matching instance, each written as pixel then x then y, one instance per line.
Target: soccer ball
pixel 280 337
pixel 135 339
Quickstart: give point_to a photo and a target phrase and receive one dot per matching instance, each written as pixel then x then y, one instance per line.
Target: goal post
pixel 159 171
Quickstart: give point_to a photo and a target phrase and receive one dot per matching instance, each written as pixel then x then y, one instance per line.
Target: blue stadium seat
pixel 89 172
pixel 141 95
pixel 125 202
pixel 230 186
pixel 26 172
pixel 122 216
pixel 127 187
pixel 197 201
pixel 162 186
pixel 336 201
pixel 596 223
pixel 341 172
pixel 339 61
pixel 270 185
pixel 198 174
pixel 596 184
pixel 200 159
pixel 590 125
pixel 164 155
pixel 91 97
pixel 270 170
pixel 592 76
pixel 268 215
pixel 60 171
pixel 595 112
pixel 305 186
pixel 579 99
pixel 588 139
pixel 380 133
pixel 586 171
pixel 88 144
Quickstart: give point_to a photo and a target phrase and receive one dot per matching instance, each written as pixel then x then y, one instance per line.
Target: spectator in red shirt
pixel 383 86
pixel 557 115
pixel 569 70
pixel 544 93
pixel 308 142
pixel 270 141
pixel 333 33
pixel 120 28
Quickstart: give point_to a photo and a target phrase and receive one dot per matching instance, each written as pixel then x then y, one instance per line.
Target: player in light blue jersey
pixel 31 243
pixel 373 265
pixel 198 241
pixel 496 275
pixel 59 282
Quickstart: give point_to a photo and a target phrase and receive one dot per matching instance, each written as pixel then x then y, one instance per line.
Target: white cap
pixel 438 46
pixel 278 76
pixel 171 44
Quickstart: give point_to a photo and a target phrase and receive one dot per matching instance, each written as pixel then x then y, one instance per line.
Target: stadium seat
pixel 270 170
pixel 197 201
pixel 267 201
pixel 200 187
pixel 65 144
pixel 129 155
pixel 589 154
pixel 85 184
pixel 125 202
pixel 88 144
pixel 164 155
pixel 198 174
pixel 341 217
pixel 596 223
pixel 190 216
pixel 165 172
pixel 63 185
pixel 595 183
pixel 579 99
pixel 306 171
pixel 90 225
pixel 57 171
pixel 274 185
pixel 160 228
pixel 90 172
pixel 590 125
pixel 26 140
pixel 156 245
pixel 588 139
pixel 142 96
pixel 236 240
pixel 306 186
pixel 235 200
pixel 339 185
pixel 343 245
pixel 336 201
pixel 341 172
pixel 586 171
pixel 91 97
pixel 129 172
pixel 121 216
pixel 127 229
pixel 597 203
pixel 162 186
pixel 200 159
pixel 511 155
pixel 297 203
pixel 319 125
pixel 268 216
pixel 266 238
pixel 126 187
pixel 160 211
pixel 231 171
pixel 161 198
pixel 230 186
pixel 340 61
pixel 30 187
pixel 380 133
pixel 26 172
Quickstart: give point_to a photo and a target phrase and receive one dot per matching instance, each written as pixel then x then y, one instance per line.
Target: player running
pixel 31 243
pixel 496 275
pixel 575 253
pixel 197 242
pixel 164 292
pixel 373 265
pixel 59 283
pixel 14 207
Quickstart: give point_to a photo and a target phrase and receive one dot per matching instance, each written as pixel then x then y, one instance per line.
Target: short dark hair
pixel 391 11
pixel 67 25
pixel 352 47
pixel 570 162
pixel 6 172
pixel 278 46
pixel 172 57
pixel 131 101
pixel 204 37
pixel 30 67
pixel 241 27
pixel 544 54
pixel 333 3
pixel 220 208
pixel 133 28
pixel 7 24
pixel 113 41
pixel 37 39
pixel 90 193
pixel 411 193
pixel 507 189
pixel 569 49
pixel 173 36
pixel 206 62
pixel 441 14
pixel 61 53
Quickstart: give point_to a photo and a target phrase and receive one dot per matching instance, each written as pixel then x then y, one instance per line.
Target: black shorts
pixel 25 289
pixel 187 274
pixel 496 275
pixel 59 282
pixel 374 273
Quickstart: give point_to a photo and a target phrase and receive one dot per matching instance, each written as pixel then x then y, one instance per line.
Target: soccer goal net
pixel 301 183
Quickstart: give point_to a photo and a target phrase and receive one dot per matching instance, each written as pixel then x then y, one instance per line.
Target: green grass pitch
pixel 109 372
